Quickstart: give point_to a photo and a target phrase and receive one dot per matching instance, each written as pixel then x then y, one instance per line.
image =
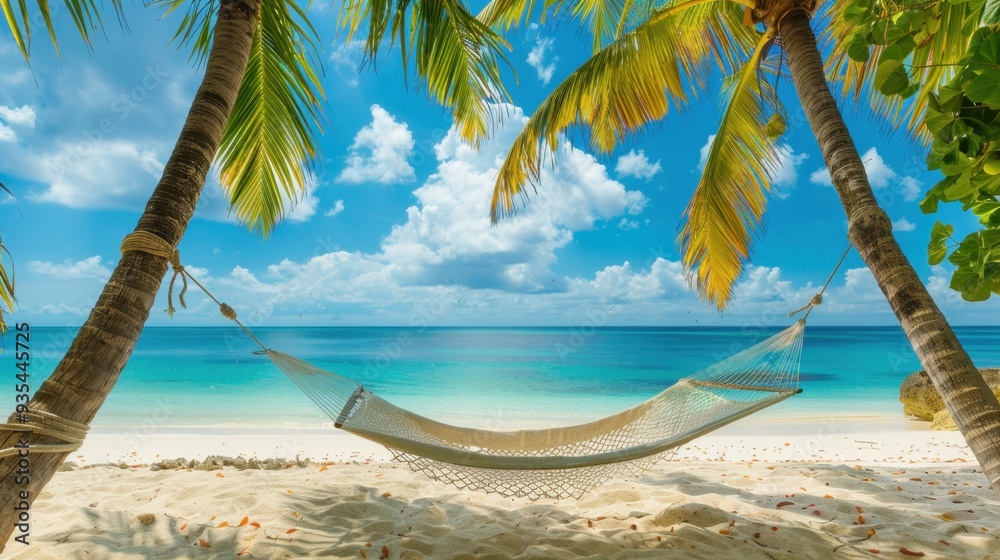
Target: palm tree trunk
pixel 965 393
pixel 82 380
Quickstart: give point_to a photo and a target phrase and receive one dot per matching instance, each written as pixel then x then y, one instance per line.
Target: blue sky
pixel 395 230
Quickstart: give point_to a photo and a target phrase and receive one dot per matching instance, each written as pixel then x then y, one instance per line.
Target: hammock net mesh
pixel 565 461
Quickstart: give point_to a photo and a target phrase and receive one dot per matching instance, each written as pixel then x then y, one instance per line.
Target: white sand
pixel 846 487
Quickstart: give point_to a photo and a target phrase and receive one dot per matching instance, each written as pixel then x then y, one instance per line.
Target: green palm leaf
pixel 728 205
pixel 930 65
pixel 456 54
pixel 628 84
pixel 83 12
pixel 269 143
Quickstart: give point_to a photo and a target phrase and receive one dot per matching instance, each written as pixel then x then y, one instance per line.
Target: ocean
pixel 498 378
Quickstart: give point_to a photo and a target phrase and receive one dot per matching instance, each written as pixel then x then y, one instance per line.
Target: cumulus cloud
pixel 305 207
pixel 7 134
pixel 380 152
pixel 22 116
pixel 338 207
pixel 446 239
pixel 910 188
pixel 636 164
pixel 537 59
pixel 903 224
pixel 87 268
pixel 448 233
pixel 880 175
pixel 785 175
pixel 628 224
pixel 106 174
pixel 346 59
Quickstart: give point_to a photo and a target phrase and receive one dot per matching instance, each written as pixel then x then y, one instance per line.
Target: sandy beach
pixel 831 488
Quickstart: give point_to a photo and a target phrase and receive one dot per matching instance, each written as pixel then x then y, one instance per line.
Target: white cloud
pixel 703 153
pixel 785 175
pixel 447 240
pixel 536 58
pixel 628 224
pixel 637 165
pixel 910 188
pixel 87 268
pixel 23 116
pixel 107 174
pixel 338 207
pixel 448 234
pixel 380 152
pixel 7 134
pixel 903 224
pixel 880 175
pixel 346 59
pixel 305 207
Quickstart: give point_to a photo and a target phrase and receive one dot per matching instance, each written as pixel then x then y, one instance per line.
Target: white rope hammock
pixel 568 461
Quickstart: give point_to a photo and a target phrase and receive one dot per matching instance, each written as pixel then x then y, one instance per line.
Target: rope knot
pixel 227 311
pixel 817 299
pixel 155 245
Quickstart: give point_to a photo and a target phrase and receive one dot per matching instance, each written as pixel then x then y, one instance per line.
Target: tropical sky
pixel 395 227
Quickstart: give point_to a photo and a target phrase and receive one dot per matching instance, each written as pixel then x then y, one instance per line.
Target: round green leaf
pixel 858 48
pixel 985 88
pixel 891 77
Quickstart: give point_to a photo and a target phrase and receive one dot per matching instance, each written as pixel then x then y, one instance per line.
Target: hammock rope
pixel 556 462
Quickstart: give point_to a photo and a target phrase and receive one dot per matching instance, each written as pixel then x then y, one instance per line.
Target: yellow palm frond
pixel 505 14
pixel 931 64
pixel 269 143
pixel 84 14
pixel 628 84
pixel 456 54
pixel 728 205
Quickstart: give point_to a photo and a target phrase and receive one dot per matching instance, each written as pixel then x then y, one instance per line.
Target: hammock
pixel 568 461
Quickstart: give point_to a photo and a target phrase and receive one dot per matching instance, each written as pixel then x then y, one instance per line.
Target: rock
pixel 943 421
pixel 147 519
pixel 921 399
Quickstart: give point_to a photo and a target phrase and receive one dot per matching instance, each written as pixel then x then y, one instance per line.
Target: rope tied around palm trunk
pixel 147 242
pixel 38 422
pixel 155 245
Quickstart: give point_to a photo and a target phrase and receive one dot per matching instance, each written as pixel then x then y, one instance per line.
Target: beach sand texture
pixel 868 494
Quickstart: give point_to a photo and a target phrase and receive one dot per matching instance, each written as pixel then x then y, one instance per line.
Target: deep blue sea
pixel 485 377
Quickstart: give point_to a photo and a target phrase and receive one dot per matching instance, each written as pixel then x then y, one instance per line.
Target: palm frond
pixel 605 18
pixel 931 64
pixel 505 14
pixel 84 13
pixel 196 28
pixel 456 55
pixel 728 205
pixel 628 84
pixel 269 143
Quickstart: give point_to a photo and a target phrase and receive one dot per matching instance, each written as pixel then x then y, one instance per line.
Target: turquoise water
pixel 488 377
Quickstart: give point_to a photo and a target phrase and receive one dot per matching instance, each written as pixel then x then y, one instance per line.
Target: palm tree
pixel 649 61
pixel 255 108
